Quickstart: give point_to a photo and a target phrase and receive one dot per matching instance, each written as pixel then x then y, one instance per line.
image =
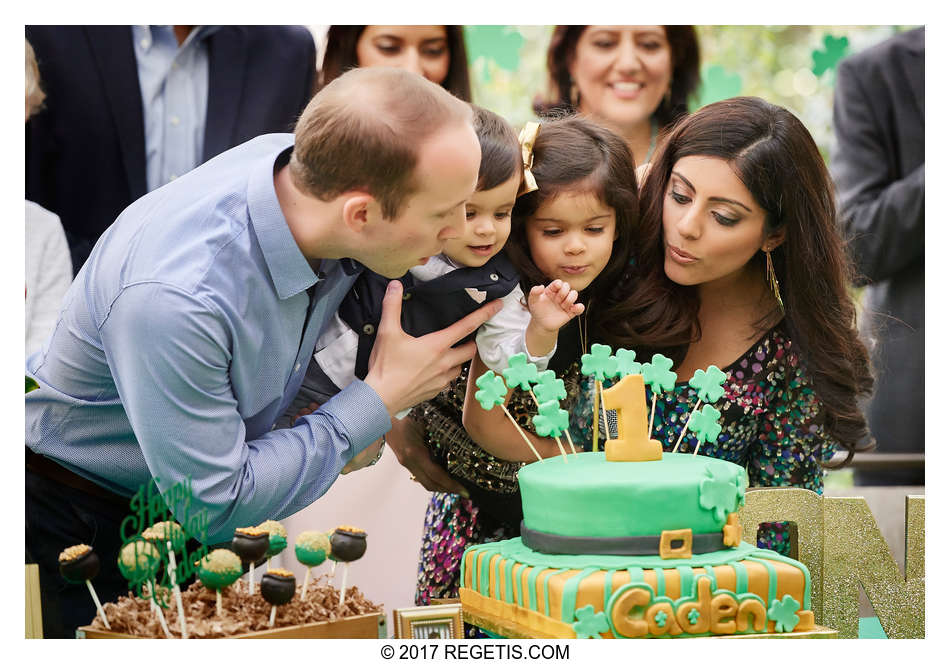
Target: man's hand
pixel 405 440
pixel 405 370
pixel 551 308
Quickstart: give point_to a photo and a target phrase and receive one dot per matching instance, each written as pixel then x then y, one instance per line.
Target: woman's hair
pixel 340 55
pixel 685 79
pixel 501 153
pixel 574 154
pixel 34 93
pixel 777 160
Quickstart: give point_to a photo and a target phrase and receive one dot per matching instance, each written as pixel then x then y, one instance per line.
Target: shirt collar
pixel 143 34
pixel 288 267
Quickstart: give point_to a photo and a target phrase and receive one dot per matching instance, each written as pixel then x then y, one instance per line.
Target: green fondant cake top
pixel 592 497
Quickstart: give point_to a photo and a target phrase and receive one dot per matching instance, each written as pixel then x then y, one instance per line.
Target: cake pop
pixel 346 545
pixel 80 564
pixel 219 569
pixel 138 561
pixel 277 587
pixel 312 548
pixel 250 544
pixel 169 535
pixel 278 538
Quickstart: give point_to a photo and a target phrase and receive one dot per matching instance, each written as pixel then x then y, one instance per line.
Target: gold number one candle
pixel 628 398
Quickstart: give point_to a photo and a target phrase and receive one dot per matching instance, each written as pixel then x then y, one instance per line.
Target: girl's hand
pixel 552 307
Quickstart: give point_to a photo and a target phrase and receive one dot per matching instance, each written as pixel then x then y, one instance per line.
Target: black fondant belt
pixel 641 545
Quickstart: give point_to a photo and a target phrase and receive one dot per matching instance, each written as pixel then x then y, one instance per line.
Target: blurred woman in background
pixel 434 51
pixel 635 80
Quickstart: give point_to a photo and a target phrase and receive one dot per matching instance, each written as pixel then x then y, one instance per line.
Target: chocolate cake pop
pixel 278 587
pixel 250 544
pixel 312 548
pixel 80 564
pixel 278 538
pixel 219 569
pixel 138 562
pixel 347 544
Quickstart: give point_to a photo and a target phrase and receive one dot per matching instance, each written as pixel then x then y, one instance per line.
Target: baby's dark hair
pixel 574 154
pixel 501 154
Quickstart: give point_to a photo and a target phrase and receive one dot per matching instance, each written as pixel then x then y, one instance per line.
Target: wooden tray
pixel 366 626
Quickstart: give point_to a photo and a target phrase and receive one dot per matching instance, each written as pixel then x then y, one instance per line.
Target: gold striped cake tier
pixel 744 590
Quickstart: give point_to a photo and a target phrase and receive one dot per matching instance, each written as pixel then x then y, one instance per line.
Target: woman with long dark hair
pixel 434 51
pixel 740 266
pixel 635 80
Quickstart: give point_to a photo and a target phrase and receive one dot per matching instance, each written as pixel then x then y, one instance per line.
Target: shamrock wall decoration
pixel 827 59
pixel 719 84
pixel 498 43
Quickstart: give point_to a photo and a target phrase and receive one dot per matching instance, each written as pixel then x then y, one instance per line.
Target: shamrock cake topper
pixel 491 393
pixel 708 386
pixel 551 419
pixel 520 372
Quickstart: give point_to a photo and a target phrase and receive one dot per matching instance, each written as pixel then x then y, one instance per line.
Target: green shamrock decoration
pixel 784 613
pixel 719 84
pixel 693 616
pixel 492 390
pixel 31 384
pixel 551 419
pixel 589 623
pixel 625 363
pixel 549 387
pixel 520 372
pixel 705 424
pixel 718 493
pixel 827 59
pixel 708 383
pixel 660 618
pixel 657 373
pixel 599 363
pixel 501 43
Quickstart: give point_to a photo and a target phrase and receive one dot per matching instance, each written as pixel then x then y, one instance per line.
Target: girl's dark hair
pixel 777 160
pixel 574 154
pixel 340 56
pixel 501 153
pixel 685 80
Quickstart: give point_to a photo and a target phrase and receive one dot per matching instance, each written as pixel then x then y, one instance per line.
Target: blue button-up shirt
pixel 173 80
pixel 183 338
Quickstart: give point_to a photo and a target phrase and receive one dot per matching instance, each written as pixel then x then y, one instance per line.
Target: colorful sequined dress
pixel 770 426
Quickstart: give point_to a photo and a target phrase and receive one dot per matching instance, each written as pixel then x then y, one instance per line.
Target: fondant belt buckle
pixel 676 543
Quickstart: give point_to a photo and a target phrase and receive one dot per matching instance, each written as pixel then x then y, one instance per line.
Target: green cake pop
pixel 219 569
pixel 312 548
pixel 278 538
pixel 138 561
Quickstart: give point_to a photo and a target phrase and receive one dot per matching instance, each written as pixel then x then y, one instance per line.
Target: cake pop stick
pixel 277 541
pixel 173 537
pixel 600 364
pixel 157 609
pixel 219 569
pixel 250 544
pixel 80 564
pixel 523 374
pixel 277 587
pixel 708 386
pixel 347 544
pixel 312 548
pixel 492 392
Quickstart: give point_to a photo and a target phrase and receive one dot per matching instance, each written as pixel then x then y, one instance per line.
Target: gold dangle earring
pixel 773 280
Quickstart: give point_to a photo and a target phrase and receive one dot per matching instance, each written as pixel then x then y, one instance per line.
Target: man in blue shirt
pixel 189 329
